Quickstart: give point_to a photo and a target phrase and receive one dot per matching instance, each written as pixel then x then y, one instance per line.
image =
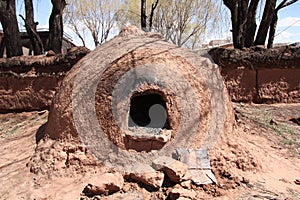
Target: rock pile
pixel 164 170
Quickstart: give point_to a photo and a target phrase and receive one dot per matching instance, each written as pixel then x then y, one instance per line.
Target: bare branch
pixel 285 3
pixel 32 30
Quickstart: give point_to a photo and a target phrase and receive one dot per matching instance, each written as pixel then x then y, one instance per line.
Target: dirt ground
pixel 268 132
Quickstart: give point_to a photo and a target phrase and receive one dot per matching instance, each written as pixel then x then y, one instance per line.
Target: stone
pixel 198 163
pixel 147 175
pixel 200 177
pixel 126 187
pixel 107 183
pixel 187 176
pixel 183 198
pixel 158 195
pixel 174 169
pixel 98 197
pixel 146 139
pixel 163 136
pixel 194 158
pixel 246 180
pixel 186 184
pixel 177 193
pixel 132 195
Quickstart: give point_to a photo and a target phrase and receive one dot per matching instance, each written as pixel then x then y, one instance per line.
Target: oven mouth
pixel 148 121
pixel 148 110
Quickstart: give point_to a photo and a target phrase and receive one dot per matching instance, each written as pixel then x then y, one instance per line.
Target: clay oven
pixel 139 93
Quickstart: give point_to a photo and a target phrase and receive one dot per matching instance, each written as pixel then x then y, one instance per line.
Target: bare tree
pixel 243 19
pixel 153 7
pixel 183 22
pixel 240 13
pixel 274 21
pixel 143 15
pixel 10 27
pixel 98 17
pixel 72 20
pixel 251 23
pixel 56 26
pixel 265 22
pixel 30 25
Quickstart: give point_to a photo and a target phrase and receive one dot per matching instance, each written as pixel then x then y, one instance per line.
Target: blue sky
pixel 288 29
pixel 42 11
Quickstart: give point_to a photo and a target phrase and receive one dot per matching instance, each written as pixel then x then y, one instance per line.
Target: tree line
pixel 183 22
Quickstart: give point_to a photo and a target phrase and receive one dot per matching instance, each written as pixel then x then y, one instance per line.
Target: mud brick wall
pixel 253 75
pixel 28 83
pixel 20 94
pixel 263 85
pixel 261 75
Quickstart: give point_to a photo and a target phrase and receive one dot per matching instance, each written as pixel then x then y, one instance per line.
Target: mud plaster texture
pixel 28 83
pixel 93 101
pixel 260 75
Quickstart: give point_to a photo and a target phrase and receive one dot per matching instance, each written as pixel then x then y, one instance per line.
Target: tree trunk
pixel 95 38
pixel 56 26
pixel 272 30
pixel 274 21
pixel 265 22
pixel 242 19
pixel 143 15
pixel 30 25
pixel 251 23
pixel 237 27
pixel 153 7
pixel 10 27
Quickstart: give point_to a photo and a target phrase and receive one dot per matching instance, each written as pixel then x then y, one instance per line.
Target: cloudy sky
pixel 288 29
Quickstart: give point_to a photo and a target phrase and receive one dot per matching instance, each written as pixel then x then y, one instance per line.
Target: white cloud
pixel 289 21
pixel 287 37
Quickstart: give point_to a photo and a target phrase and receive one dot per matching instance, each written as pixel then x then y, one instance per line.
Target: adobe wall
pixel 20 94
pixel 28 83
pixel 254 75
pixel 261 75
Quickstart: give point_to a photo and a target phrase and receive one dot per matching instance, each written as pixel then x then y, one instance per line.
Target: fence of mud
pixel 255 75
